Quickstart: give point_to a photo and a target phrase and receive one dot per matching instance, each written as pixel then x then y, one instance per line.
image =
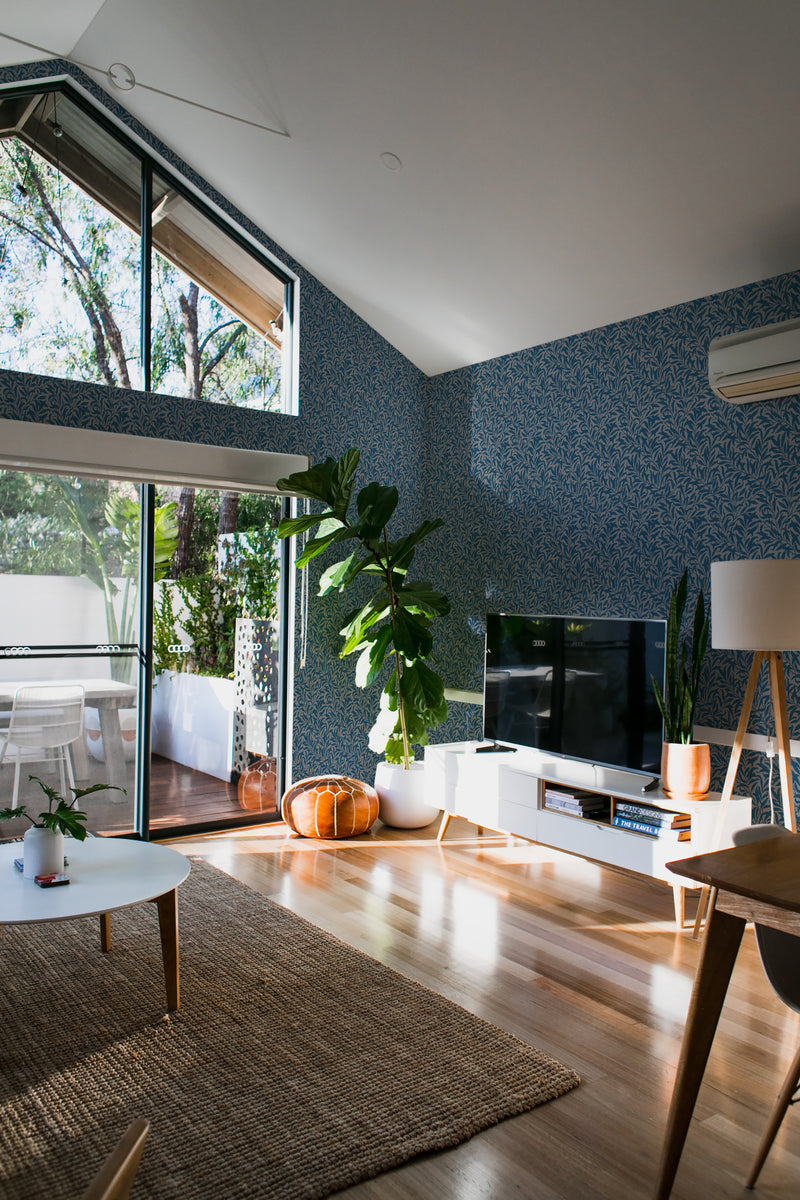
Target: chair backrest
pixel 115 1178
pixel 46 715
pixel 779 951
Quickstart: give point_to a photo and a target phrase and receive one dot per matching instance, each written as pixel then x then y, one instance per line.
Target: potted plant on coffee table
pixel 43 843
pixel 390 628
pixel 685 764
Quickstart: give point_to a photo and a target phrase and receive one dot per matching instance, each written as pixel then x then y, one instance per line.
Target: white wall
pixel 40 610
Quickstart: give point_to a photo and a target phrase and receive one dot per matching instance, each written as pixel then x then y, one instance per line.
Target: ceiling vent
pixel 759 364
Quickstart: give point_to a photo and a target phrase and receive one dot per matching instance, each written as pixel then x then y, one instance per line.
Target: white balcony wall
pixel 38 610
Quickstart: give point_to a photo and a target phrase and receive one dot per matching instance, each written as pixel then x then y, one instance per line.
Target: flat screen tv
pixel 576 686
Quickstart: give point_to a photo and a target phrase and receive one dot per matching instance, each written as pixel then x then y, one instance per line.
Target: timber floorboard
pixel 581 961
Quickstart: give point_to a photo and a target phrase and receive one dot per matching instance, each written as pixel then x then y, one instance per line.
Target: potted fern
pixel 685 764
pixel 390 628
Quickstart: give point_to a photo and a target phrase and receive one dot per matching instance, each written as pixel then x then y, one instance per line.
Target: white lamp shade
pixel 755 604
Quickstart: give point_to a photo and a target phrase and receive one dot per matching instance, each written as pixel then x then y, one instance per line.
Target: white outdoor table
pixel 105 874
pixel 106 695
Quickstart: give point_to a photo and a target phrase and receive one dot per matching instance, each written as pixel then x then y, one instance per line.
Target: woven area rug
pixel 296 1066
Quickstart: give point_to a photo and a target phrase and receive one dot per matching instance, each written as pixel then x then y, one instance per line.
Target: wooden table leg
pixel 168 925
pixel 442 828
pixel 723 936
pixel 105 932
pixel 113 747
pixel 679 901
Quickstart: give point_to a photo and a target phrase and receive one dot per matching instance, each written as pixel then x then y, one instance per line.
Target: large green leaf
pixel 314 547
pixel 65 820
pixel 290 526
pixel 355 629
pixel 344 481
pixel 337 575
pixel 421 597
pixel 412 636
pixel 401 552
pixel 317 483
pixel 423 690
pixel 372 657
pixel 375 505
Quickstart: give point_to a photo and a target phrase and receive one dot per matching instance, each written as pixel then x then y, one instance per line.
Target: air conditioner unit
pixel 759 364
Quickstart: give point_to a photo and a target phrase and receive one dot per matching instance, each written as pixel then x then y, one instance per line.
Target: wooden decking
pixel 179 798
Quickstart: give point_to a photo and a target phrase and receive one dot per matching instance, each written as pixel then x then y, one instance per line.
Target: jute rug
pixel 296 1066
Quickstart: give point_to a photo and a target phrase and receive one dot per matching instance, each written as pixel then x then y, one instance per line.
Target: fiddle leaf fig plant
pixel 64 817
pixel 393 626
pixel 683 665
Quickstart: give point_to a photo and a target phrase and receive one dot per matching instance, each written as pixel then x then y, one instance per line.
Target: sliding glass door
pixel 69 597
pixel 161 609
pixel 215 741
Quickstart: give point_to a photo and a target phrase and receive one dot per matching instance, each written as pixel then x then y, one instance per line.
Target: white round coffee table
pixel 105 874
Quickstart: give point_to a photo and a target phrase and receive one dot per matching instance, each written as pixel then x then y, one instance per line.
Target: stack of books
pixel 579 803
pixel 656 822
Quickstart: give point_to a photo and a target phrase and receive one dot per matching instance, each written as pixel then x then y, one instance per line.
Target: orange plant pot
pixel 685 770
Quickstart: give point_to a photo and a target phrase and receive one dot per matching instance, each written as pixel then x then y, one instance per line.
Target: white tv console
pixel 504 791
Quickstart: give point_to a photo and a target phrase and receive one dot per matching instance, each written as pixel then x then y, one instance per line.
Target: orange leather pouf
pixel 330 806
pixel 257 788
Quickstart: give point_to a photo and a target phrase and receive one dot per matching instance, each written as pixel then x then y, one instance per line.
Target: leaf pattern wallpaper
pixel 578 477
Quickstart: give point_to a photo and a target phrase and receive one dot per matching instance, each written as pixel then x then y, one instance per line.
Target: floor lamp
pixel 755 605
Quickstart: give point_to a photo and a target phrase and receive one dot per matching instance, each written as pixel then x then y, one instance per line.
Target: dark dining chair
pixel 780 957
pixel 115 1178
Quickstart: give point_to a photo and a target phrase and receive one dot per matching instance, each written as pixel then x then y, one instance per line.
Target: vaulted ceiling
pixel 472 178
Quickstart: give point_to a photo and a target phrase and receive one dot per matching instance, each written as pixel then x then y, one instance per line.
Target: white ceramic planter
pixel 42 852
pixel 402 796
pixel 193 722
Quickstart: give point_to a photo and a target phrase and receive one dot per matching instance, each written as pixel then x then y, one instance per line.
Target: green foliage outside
pixel 393 626
pixel 200 609
pixel 70 292
pixel 70 288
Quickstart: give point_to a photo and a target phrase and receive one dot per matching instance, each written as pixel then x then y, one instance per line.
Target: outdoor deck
pixel 179 798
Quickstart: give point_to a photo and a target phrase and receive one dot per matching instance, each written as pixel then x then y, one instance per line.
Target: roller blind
pixel 65 450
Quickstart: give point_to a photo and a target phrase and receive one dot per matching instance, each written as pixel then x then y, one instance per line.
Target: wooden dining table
pixel 107 696
pixel 757 881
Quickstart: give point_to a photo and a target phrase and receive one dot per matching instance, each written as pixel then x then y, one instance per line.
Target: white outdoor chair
pixel 45 720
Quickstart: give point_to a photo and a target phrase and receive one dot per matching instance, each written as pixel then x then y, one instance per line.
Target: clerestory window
pixel 112 272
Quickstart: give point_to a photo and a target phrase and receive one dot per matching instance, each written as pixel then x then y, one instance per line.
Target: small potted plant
pixel 391 627
pixel 43 843
pixel 685 764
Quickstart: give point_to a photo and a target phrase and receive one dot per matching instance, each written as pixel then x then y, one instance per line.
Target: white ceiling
pixel 565 163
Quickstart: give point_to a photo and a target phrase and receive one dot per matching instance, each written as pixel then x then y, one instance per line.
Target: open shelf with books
pixel 600 813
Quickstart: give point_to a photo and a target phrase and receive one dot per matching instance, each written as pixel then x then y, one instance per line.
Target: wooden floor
pixel 578 960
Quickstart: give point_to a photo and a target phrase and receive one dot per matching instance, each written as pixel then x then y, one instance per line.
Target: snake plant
pixel 683 664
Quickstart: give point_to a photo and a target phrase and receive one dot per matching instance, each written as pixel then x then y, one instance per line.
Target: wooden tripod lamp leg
pixel 778 689
pixel 733 767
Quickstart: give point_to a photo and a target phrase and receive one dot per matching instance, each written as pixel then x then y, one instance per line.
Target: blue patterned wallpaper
pixel 582 476
pixel 579 476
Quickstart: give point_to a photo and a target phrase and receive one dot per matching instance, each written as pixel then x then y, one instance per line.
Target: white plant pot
pixel 42 852
pixel 402 796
